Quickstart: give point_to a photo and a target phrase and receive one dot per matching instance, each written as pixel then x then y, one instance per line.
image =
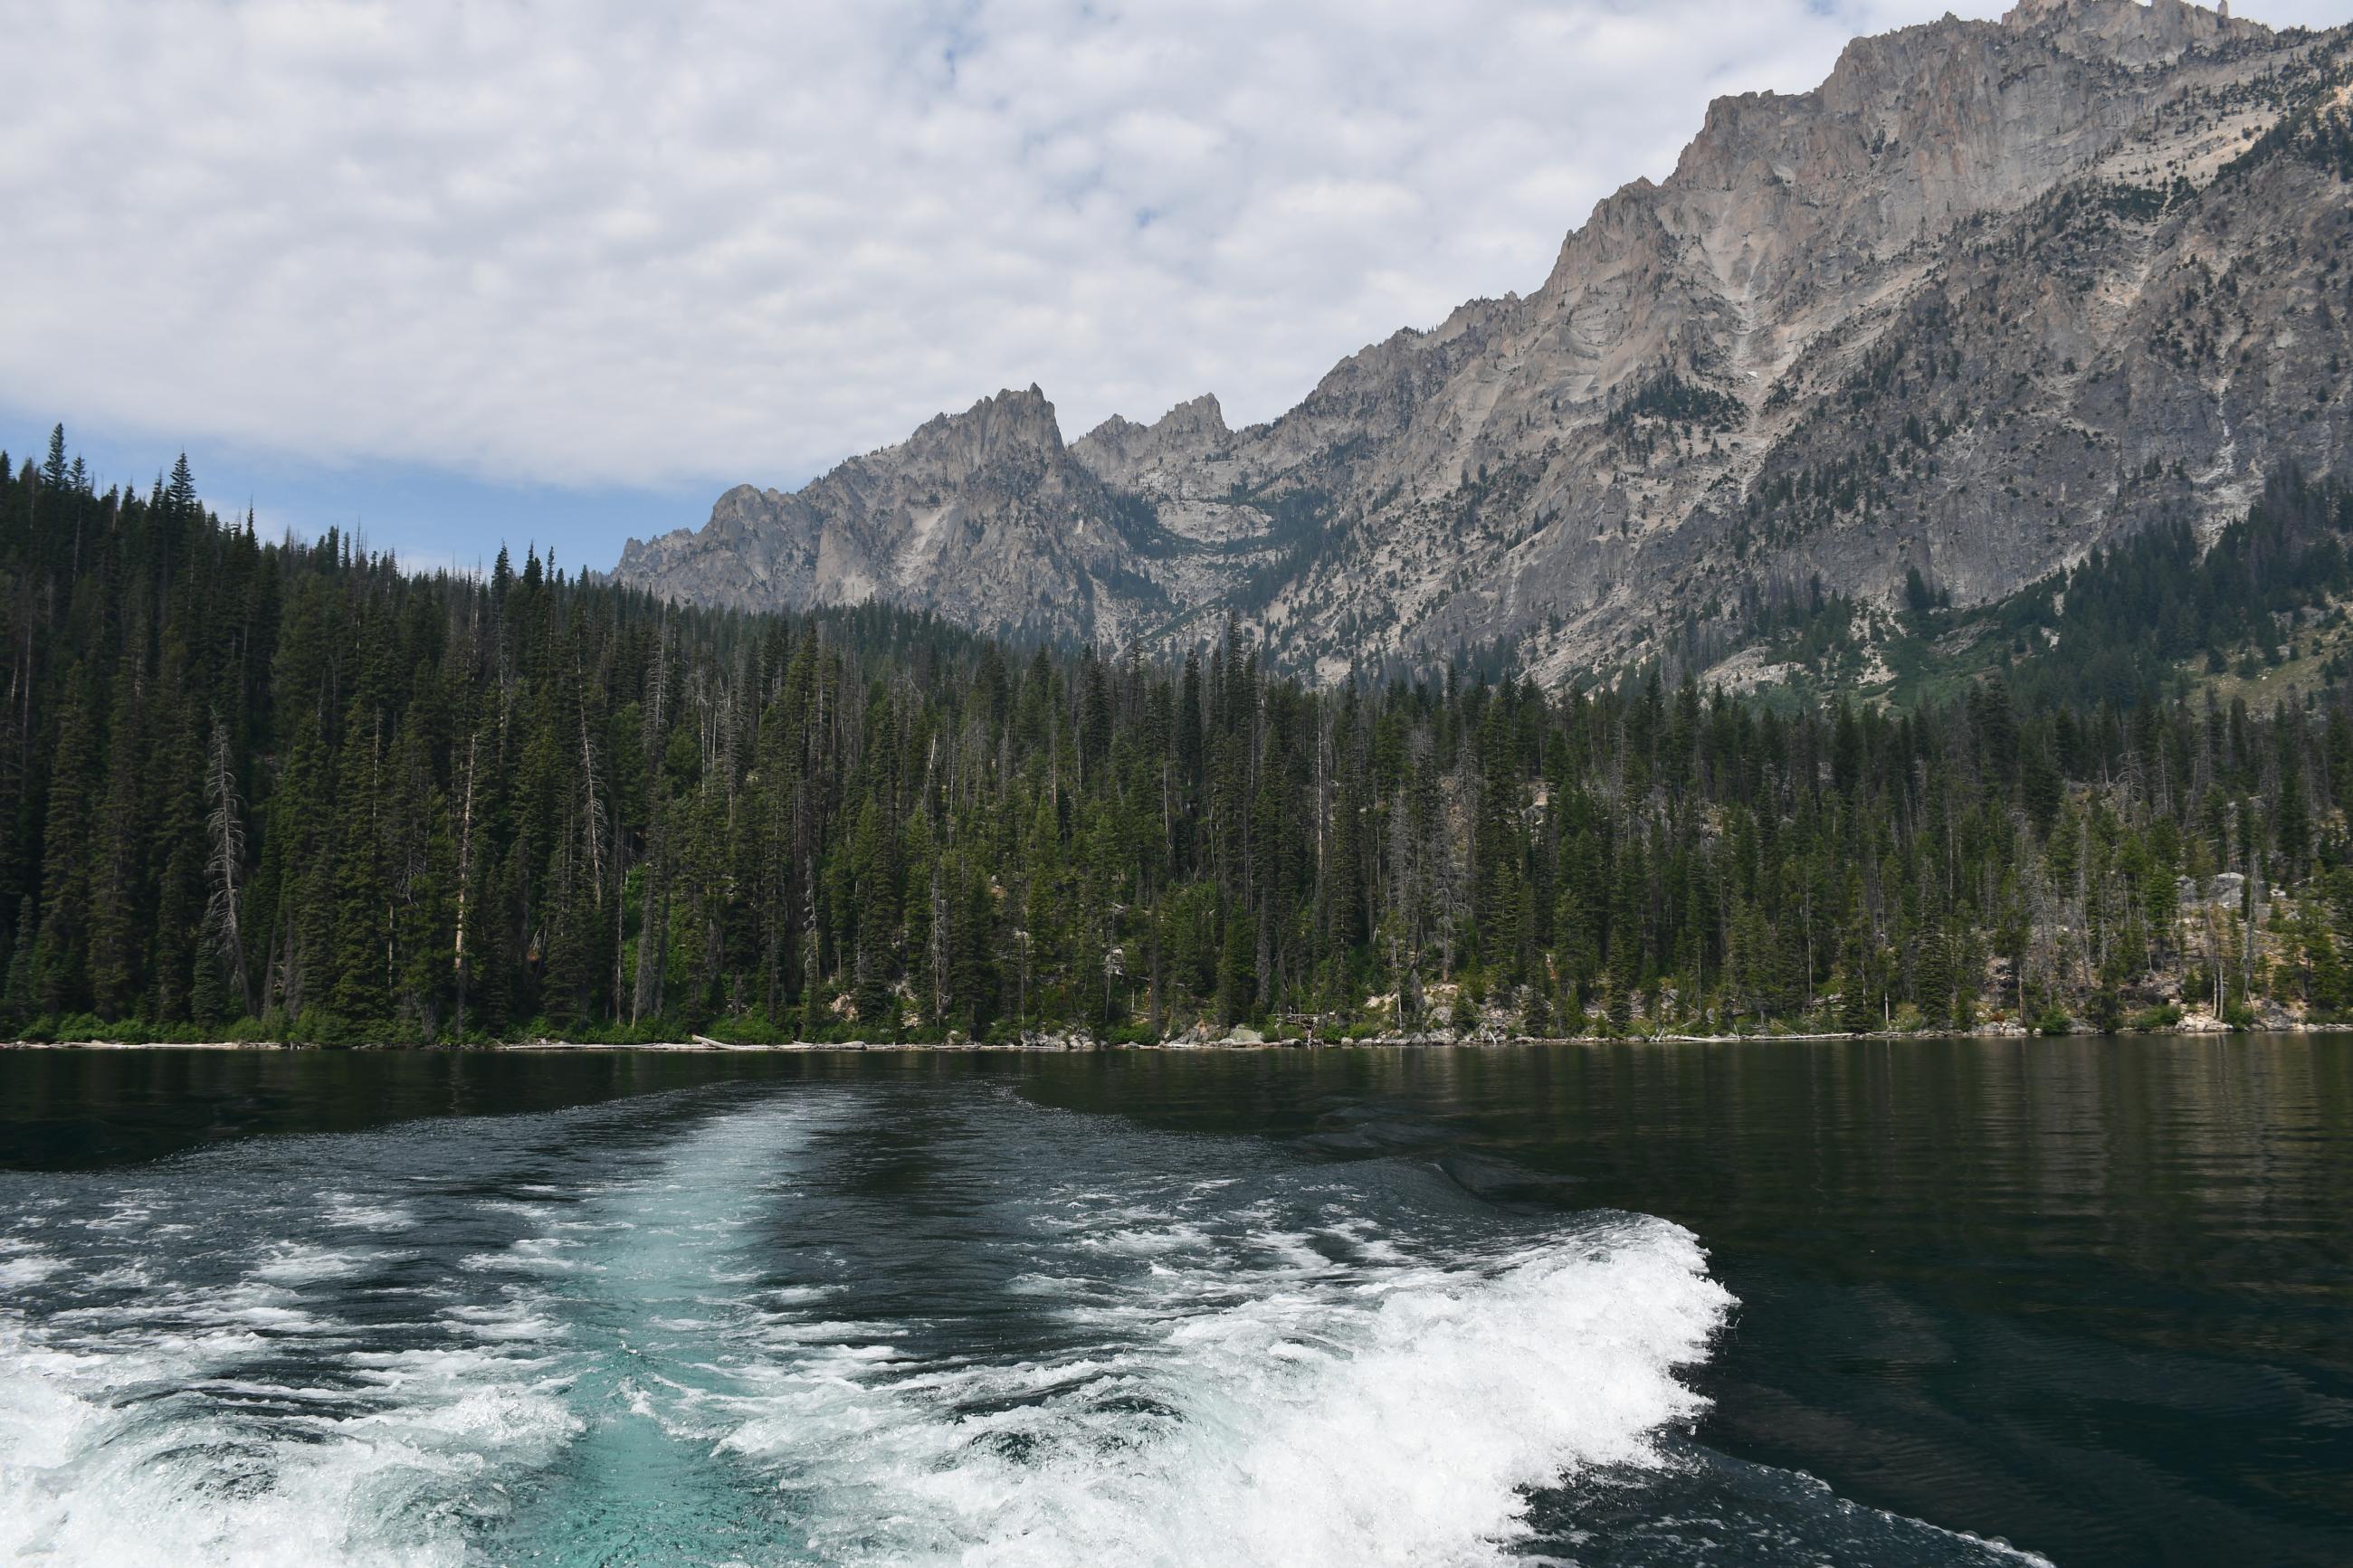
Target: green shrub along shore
pixel 289 792
pixel 756 1034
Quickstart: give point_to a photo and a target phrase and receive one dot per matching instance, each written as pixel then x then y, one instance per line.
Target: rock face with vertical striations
pixel 1994 293
pixel 983 515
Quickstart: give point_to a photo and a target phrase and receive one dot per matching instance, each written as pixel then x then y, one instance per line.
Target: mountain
pixel 985 516
pixel 1994 295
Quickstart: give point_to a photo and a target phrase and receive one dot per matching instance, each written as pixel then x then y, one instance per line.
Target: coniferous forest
pixel 255 789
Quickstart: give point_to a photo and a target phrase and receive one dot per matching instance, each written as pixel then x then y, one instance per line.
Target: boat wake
pixel 857 1326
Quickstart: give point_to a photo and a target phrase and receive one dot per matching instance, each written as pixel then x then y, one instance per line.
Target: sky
pixel 460 272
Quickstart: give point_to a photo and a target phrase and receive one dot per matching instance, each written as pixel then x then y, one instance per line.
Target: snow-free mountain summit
pixel 1993 294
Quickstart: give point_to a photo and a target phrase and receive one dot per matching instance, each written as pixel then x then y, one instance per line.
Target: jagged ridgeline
pixel 288 790
pixel 1986 299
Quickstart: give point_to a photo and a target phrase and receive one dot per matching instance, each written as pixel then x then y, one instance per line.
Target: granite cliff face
pixel 1990 295
pixel 983 515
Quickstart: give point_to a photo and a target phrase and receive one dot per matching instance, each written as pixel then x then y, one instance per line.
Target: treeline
pixel 2146 615
pixel 290 791
pixel 2146 619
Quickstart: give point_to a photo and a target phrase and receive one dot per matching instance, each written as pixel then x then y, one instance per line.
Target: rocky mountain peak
pixel 1129 454
pixel 1200 416
pixel 1990 296
pixel 1013 423
pixel 2128 32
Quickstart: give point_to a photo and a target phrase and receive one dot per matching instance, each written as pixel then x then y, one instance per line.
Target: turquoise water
pixel 1955 1303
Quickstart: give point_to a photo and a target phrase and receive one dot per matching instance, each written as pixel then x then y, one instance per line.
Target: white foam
pixel 359 1214
pixel 531 1255
pixel 1146 1243
pixel 522 1319
pixel 245 1422
pixel 295 1263
pixel 22 1263
pixel 131 1211
pixel 101 1462
pixel 1328 1416
pixel 1251 1385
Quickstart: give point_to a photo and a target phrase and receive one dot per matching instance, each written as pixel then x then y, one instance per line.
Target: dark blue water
pixel 1845 1304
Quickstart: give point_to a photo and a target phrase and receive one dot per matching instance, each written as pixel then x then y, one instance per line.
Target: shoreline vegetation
pixel 2187 1026
pixel 277 792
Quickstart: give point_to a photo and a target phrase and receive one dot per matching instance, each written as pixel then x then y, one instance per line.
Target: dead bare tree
pixel 225 859
pixel 465 868
pixel 592 824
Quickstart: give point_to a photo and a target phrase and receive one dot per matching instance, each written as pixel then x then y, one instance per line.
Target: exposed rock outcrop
pixel 1993 293
pixel 982 515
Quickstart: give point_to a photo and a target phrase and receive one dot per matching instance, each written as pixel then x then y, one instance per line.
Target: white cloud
pixel 604 242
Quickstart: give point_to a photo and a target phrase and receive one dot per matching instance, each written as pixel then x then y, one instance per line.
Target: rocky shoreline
pixel 2196 1025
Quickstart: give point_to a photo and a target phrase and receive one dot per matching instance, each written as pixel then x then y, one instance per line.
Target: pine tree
pixel 60 954
pixel 119 883
pixel 180 497
pixel 16 993
pixel 288 778
pixel 1237 968
pixel 360 938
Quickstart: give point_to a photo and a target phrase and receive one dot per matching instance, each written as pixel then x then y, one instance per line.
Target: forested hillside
pixel 2158 615
pixel 287 790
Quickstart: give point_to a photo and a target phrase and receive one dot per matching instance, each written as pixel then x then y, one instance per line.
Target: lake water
pixel 1967 1301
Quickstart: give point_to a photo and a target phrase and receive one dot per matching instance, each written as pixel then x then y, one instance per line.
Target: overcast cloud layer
pixel 625 244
